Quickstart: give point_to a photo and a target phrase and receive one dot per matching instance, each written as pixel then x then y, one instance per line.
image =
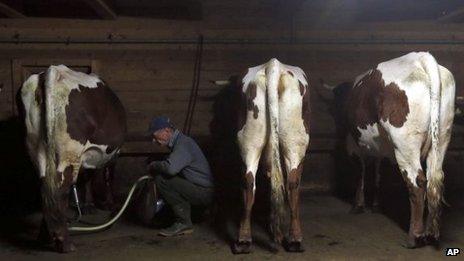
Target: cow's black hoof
pixel 241 247
pixel 294 246
pixel 357 210
pixel 414 242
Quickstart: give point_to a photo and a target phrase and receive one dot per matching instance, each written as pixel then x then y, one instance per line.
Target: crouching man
pixel 184 179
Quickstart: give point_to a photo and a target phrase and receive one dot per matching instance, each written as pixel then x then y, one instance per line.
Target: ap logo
pixel 452 251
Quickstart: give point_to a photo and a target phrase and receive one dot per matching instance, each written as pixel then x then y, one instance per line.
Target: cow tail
pixel 51 182
pixel 434 169
pixel 278 206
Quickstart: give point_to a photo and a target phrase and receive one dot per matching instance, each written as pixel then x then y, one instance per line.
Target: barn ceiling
pixel 102 9
pixel 359 10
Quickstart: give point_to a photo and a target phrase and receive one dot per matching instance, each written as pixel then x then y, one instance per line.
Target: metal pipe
pixel 76 200
pixel 194 89
pixel 197 80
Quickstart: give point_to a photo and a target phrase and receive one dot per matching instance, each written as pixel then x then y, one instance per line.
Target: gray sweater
pixel 186 159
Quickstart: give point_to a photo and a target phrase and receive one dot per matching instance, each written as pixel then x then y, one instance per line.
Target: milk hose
pixel 123 208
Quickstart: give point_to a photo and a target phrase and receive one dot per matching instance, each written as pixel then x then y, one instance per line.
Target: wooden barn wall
pixel 154 79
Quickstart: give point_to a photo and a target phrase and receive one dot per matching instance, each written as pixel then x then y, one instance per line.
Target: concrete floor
pixel 330 233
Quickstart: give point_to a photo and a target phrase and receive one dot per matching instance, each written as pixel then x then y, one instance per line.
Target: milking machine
pixel 157 205
pixel 76 200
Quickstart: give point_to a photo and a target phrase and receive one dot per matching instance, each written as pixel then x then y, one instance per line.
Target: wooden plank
pixel 10 12
pixel 17 81
pixel 132 146
pixel 144 75
pixel 150 86
pixel 316 144
pixel 142 147
pixel 152 65
pixel 157 96
pixel 455 16
pixel 102 9
pixel 6 92
pixel 166 108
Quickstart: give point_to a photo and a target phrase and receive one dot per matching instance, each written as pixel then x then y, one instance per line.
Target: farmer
pixel 184 179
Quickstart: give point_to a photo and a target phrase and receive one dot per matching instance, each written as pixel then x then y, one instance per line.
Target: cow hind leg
pixel 294 141
pixel 435 177
pixel 88 201
pixel 375 201
pixel 251 157
pixel 359 204
pixel 435 194
pixel 251 140
pixel 109 197
pixel 293 152
pixel 88 206
pixel 295 237
pixel 55 203
pixel 243 244
pixel 251 153
pixel 414 177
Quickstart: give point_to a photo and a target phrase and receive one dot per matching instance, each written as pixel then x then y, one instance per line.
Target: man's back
pixel 197 170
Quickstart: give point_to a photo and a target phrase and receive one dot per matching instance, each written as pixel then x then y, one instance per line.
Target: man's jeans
pixel 181 193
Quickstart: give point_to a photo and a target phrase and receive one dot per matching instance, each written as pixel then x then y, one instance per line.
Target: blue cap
pixel 159 123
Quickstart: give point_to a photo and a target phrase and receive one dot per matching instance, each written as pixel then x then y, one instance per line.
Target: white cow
pixel 274 119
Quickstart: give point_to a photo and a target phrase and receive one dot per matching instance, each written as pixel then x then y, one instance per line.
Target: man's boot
pixel 182 225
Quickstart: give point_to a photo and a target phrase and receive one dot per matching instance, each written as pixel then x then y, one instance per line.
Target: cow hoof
pixel 65 247
pixel 357 210
pixel 414 242
pixel 294 246
pixel 242 247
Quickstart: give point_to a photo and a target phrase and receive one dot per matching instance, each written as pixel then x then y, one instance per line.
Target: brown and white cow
pixel 273 119
pixel 73 121
pixel 403 110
